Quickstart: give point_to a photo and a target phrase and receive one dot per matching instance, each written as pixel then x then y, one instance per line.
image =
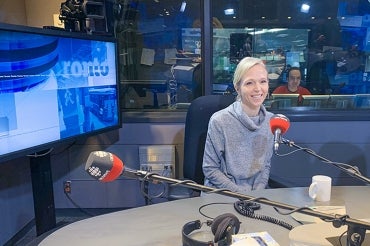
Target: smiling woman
pixel 238 147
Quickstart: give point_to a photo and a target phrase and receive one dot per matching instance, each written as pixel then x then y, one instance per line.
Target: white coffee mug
pixel 320 188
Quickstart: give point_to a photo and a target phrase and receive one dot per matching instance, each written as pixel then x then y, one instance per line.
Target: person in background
pixel 239 142
pixel 293 86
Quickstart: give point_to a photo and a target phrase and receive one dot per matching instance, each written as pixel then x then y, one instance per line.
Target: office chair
pixel 196 126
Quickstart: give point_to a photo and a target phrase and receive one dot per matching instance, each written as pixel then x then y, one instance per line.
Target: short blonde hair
pixel 243 66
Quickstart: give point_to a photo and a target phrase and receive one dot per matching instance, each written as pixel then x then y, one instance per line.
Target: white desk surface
pixel 161 224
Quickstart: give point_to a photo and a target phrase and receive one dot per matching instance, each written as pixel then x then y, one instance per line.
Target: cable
pixel 291 152
pixel 340 238
pixel 349 169
pixel 212 203
pixel 77 206
pixel 186 181
pixel 292 211
pixel 247 208
pixel 144 190
pixel 242 208
pixel 217 191
pixel 36 154
pixel 172 88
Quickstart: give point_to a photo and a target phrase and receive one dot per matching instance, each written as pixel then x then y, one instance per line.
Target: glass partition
pixel 280 48
pixel 328 42
pixel 162 51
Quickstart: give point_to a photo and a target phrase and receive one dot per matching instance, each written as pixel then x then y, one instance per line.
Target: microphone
pixel 279 124
pixel 105 166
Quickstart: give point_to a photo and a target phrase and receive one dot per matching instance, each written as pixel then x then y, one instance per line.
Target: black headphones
pixel 222 227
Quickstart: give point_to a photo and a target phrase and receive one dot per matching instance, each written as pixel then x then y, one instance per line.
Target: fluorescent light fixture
pixel 305 8
pixel 183 6
pixel 229 11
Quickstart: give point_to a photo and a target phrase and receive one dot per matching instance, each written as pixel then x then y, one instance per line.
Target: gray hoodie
pixel 238 150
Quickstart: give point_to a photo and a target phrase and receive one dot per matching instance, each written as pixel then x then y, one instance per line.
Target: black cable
pixel 186 181
pixel 350 170
pixel 145 191
pixel 208 204
pixel 248 211
pixel 78 206
pixel 242 208
pixel 340 238
pixel 292 211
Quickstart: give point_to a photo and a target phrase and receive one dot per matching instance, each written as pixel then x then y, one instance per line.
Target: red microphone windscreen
pixel 116 170
pixel 279 121
pixel 104 166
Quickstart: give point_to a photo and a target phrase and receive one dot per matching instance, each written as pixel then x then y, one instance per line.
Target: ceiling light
pixel 305 8
pixel 183 6
pixel 229 11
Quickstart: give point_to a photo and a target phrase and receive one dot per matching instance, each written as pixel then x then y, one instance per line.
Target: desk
pixel 161 224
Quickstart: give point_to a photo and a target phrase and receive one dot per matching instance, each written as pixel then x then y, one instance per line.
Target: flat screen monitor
pixel 292 58
pixel 342 101
pixel 240 45
pixel 54 86
pixel 362 101
pixel 315 101
pixel 191 40
pixel 284 100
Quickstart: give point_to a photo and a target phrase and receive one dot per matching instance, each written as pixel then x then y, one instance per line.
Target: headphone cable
pixel 242 208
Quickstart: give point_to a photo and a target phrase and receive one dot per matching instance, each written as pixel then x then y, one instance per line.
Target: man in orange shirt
pixel 293 85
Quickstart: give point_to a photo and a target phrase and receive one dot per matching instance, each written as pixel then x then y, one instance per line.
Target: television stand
pixel 43 195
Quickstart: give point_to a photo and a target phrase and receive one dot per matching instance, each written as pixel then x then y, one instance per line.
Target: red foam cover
pixel 115 172
pixel 279 122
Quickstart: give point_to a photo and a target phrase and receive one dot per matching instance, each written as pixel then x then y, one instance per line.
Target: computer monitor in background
pixel 292 58
pixel 362 101
pixel 280 101
pixel 191 40
pixel 241 45
pixel 342 101
pixel 315 101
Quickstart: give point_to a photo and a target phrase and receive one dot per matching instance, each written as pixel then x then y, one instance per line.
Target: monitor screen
pixel 284 100
pixel 362 101
pixel 191 40
pixel 54 85
pixel 293 59
pixel 342 101
pixel 315 101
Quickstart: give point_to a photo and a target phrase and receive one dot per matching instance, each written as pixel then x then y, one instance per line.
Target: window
pixel 161 49
pixel 160 45
pixel 328 42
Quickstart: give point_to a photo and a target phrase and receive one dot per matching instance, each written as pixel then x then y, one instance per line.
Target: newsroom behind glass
pixel 157 72
pixel 161 51
pixel 328 42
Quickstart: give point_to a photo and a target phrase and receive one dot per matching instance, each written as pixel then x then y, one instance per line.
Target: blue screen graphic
pixel 54 87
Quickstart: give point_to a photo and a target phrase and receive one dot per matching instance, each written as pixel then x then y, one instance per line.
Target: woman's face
pixel 253 89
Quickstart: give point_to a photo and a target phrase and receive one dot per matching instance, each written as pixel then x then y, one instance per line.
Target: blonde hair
pixel 243 66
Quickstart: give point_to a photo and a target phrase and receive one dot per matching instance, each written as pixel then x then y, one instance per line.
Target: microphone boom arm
pixel 350 172
pixel 356 228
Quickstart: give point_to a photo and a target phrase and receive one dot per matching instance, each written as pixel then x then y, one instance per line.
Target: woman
pixel 239 141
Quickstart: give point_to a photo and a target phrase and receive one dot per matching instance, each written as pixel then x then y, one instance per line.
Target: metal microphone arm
pixel 356 228
pixel 350 172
